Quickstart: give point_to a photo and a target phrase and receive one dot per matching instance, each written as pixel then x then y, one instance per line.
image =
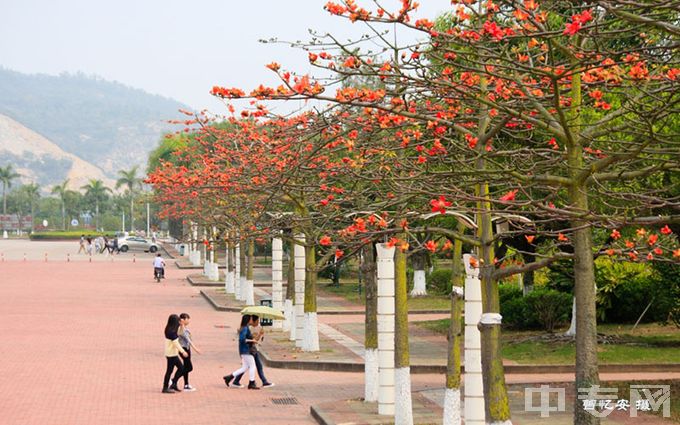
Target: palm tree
pixel 132 182
pixel 62 191
pixel 33 192
pixel 7 174
pixel 97 191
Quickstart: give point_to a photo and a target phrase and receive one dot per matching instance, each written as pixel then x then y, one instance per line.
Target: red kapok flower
pixel 339 253
pixel 430 245
pixel 529 238
pixel 615 234
pixel 325 240
pixel 510 196
pixel 652 239
pixel 440 205
pixel 665 230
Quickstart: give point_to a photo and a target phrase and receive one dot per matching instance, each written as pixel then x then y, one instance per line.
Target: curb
pixel 219 307
pixel 192 282
pixel 319 417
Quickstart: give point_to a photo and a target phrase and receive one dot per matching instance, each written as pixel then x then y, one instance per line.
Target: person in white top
pixel 159 266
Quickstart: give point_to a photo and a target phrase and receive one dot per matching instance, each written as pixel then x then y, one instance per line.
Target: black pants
pixel 172 363
pixel 188 366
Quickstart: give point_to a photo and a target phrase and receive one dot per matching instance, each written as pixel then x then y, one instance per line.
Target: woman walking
pixel 172 350
pixel 245 338
pixel 188 344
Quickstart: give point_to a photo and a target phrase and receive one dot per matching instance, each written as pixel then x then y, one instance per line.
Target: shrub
pixel 439 282
pixel 514 308
pixel 549 307
pixel 541 309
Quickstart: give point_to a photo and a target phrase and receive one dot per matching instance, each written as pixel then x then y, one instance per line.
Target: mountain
pixel 107 124
pixel 38 160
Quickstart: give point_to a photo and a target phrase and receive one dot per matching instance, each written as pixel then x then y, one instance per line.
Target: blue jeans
pixel 258 366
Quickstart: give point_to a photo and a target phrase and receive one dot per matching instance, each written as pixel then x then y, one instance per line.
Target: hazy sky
pixel 174 48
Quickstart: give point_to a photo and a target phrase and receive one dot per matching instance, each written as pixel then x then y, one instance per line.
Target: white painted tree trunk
pixel 237 272
pixel 243 286
pixel 473 382
pixel 572 327
pixel 403 407
pixel 299 292
pixel 371 375
pixel 277 278
pixel 452 407
pixel 311 332
pixel 291 319
pixel 419 283
pixel 250 292
pixel 385 266
pixel 214 272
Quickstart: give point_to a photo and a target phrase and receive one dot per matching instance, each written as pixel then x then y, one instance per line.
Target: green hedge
pixel 66 235
pixel 540 309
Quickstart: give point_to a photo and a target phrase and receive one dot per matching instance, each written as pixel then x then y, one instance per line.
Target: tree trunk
pixel 584 273
pixel 63 214
pixel 403 406
pixel 495 393
pixel 418 261
pixel 96 208
pixel 288 323
pixel 586 322
pixel 240 294
pixel 4 199
pixel 452 410
pixel 229 283
pixel 250 283
pixel 132 213
pixel 368 270
pixel 311 327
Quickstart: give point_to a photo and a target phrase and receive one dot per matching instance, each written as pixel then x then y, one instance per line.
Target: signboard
pixel 15 222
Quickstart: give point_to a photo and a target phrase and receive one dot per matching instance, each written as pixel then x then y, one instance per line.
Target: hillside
pixel 105 123
pixel 41 161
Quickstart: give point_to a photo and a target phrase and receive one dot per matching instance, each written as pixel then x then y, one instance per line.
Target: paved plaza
pixel 83 344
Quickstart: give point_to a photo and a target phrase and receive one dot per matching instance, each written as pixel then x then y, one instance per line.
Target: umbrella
pixel 264 312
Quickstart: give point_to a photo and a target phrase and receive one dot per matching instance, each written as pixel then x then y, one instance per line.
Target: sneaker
pixel 168 391
pixel 234 385
pixel 189 388
pixel 227 379
pixel 175 388
pixel 268 384
pixel 252 386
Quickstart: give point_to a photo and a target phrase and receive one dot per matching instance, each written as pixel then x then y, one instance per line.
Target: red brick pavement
pixel 83 344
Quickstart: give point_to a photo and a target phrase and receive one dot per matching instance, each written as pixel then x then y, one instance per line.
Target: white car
pixel 136 243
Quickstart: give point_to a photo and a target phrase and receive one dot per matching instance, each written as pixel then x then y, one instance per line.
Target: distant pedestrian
pixel 97 244
pixel 82 244
pixel 89 245
pixel 258 334
pixel 107 246
pixel 114 246
pixel 247 359
pixel 187 343
pixel 172 351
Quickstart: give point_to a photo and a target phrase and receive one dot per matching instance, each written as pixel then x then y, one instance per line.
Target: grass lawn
pixel 650 343
pixel 348 290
